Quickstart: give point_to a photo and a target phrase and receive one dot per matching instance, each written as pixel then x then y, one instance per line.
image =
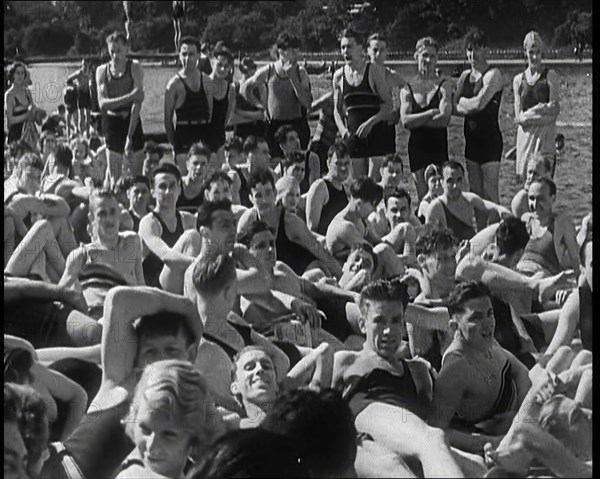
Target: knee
pixel 583 358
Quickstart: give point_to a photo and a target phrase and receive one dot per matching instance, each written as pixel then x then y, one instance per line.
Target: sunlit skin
pixel 377 51
pixel 263 197
pixel 166 190
pixel 397 211
pixel 218 190
pixel 49 145
pixel 339 168
pixel 539 200
pixel 105 215
pixel 383 326
pixel 255 378
pixel 156 348
pixel 151 161
pixel 117 52
pixel 261 156
pixel 19 76
pixel 351 51
pixel 263 248
pixel 453 183
pixel 223 230
pixel 574 424
pixel 434 183
pixel 535 171
pixel 15 453
pixel 426 61
pixel 587 267
pixel 221 67
pixel 391 175
pixel 297 171
pixel 358 260
pixel 290 196
pixel 233 158
pixel 30 180
pixel 476 322
pixel 139 197
pixel 439 269
pixel 477 57
pixel 79 152
pixel 533 53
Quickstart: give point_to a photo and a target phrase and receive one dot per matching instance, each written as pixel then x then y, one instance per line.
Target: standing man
pixel 362 106
pixel 478 96
pixel 190 99
pixel 120 96
pixel 288 92
pixel 425 109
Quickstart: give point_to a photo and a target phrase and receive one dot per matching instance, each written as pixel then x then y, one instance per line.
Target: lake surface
pixel 574 170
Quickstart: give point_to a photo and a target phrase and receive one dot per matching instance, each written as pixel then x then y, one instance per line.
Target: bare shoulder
pixel 337 76
pixel 175 83
pixel 345 359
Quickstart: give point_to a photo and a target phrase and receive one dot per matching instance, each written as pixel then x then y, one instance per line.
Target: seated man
pixel 111 259
pixel 217 187
pixel 288 140
pixel 58 182
pixel 538 166
pixel 296 245
pixel 294 171
pixel 390 396
pixel 552 246
pixel 433 178
pixel 138 194
pixel 327 196
pixel 479 380
pixel 304 295
pixel 455 209
pixel 169 237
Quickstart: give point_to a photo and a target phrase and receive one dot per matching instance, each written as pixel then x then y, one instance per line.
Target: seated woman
pixel 112 259
pixel 168 421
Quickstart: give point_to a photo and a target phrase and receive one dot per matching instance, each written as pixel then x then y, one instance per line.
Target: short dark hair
pixel 206 210
pixel 29 160
pixel 392 158
pixel 463 292
pixel 44 136
pixel 366 189
pixel 453 165
pixel 17 365
pixel 218 175
pixel 398 192
pixel 167 168
pixel 282 132
pixel 367 248
pixel 255 227
pixel 383 290
pixel 63 156
pixel 220 50
pixel 549 184
pixel 199 149
pixel 19 148
pixel 101 194
pixel 251 143
pixel 511 235
pixel 286 40
pixel 189 40
pixel 350 33
pixel 293 158
pixel 376 36
pixel 150 147
pixel 117 36
pixel 262 176
pixel 213 273
pixel 475 38
pixel 13 68
pixel 234 143
pixel 165 323
pixel 339 149
pixel 320 424
pixel 435 240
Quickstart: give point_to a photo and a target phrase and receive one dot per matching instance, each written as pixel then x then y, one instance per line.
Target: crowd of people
pixel 272 301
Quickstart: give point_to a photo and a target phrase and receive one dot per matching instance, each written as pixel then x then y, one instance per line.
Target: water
pixel 574 171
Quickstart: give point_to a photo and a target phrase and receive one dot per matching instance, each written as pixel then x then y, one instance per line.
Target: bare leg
pixel 584 391
pixel 189 243
pixel 39 244
pixel 374 167
pixel 549 321
pixel 115 165
pixel 408 435
pixel 63 232
pixel 375 460
pixel 582 358
pixel 491 179
pixel 420 183
pixel 83 330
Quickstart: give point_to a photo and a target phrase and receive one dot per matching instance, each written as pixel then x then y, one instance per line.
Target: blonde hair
pixel 423 43
pixel 533 38
pixel 177 388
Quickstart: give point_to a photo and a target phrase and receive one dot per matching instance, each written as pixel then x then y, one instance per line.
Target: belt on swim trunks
pixel 193 122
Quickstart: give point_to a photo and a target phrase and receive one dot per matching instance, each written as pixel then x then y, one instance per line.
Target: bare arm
pixel 458 92
pixel 568 321
pixel 436 318
pixel 565 243
pixel 321 360
pixel 85 353
pixel 47 205
pixel 301 85
pixel 492 84
pixel 486 206
pixel 150 231
pixel 18 289
pixel 316 198
pixel 248 87
pixel 441 119
pixel 319 103
pixel 73 266
pixel 314 165
pixel 9 107
pixel 171 96
pixel 382 89
pixel 105 103
pixel 338 103
pixel 434 215
pixel 138 86
pixel 413 120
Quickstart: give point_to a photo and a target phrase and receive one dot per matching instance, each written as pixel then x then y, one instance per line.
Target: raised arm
pixel 47 205
pixel 338 103
pixel 319 360
pixel 249 86
pixel 150 231
pixel 316 198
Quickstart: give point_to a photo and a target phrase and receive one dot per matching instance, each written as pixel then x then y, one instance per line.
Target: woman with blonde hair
pixel 168 420
pixel 536 92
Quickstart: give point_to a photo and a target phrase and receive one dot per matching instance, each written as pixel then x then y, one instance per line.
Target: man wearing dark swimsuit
pixel 479 380
pixel 389 395
pixel 455 209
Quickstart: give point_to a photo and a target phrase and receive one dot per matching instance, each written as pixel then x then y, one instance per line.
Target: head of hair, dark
pixel 28 160
pixel 199 149
pixel 548 183
pixel 262 176
pixel 220 50
pixel 376 36
pixel 234 143
pixel 432 170
pixel 383 290
pixel 463 292
pixel 511 235
pixel 439 239
pixel 17 365
pixel 13 68
pixel 339 149
pixel 213 274
pixel 366 189
pixel 392 159
pixel 321 426
pixel 293 158
pixel 251 143
pixel 117 36
pixel 475 38
pixel 398 192
pixel 351 33
pixel 63 156
pixel 367 248
pixel 255 227
pixel 286 40
pixel 453 165
pixel 208 208
pixel 189 40
pixel 282 133
pixel 165 323
pixel 166 168
pixel 151 148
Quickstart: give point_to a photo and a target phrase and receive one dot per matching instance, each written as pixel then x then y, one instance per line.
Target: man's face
pixel 261 154
pixel 218 190
pixel 255 378
pixel 30 179
pixel 117 51
pixel 439 268
pixel 377 51
pixel 533 53
pixel 427 59
pixel 292 142
pixel 297 171
pixel 539 199
pixel 15 453
pixel 197 166
pixel 290 196
pixel 383 325
pixel 263 248
pixel 289 55
pixel 162 442
pixel 391 175
pixel 139 196
pixel 189 55
pixel 435 185
pixel 79 152
pixel 166 189
pixel 397 211
pixel 476 324
pixel 151 161
pixel 357 260
pixel 156 348
pixel 535 171
pixel 105 219
pixel 350 49
pixel 339 168
pixel 221 66
pixel 223 229
pixel 452 183
pixel 476 55
pixel 263 197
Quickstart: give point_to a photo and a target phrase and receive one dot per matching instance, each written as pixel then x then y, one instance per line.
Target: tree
pixel 47 39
